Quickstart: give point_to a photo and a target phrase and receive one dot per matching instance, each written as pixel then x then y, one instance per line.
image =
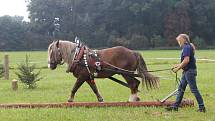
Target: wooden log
pixel 6 67
pixel 14 84
pixel 96 104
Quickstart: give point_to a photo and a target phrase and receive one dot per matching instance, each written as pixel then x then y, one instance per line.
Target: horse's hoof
pixel 137 99
pixel 133 98
pixel 101 100
pixel 70 100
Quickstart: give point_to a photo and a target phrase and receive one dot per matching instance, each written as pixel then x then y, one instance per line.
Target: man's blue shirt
pixel 187 50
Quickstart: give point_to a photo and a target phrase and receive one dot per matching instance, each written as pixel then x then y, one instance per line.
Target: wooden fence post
pixel 6 67
pixel 14 84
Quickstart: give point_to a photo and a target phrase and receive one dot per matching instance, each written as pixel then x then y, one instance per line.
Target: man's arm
pixel 182 64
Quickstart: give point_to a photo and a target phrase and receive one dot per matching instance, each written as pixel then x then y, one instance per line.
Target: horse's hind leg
pixel 77 85
pixel 95 90
pixel 133 84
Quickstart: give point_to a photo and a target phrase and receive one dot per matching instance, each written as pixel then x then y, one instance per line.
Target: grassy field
pixel 56 86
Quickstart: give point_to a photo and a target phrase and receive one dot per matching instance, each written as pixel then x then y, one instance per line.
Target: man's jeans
pixel 189 77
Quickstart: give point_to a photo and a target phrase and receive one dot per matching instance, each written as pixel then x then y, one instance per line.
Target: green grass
pixel 56 86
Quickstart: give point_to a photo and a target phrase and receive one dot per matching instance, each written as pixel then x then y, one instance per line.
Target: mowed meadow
pixel 56 86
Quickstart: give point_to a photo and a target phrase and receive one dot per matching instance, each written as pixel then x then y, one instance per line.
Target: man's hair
pixel 187 39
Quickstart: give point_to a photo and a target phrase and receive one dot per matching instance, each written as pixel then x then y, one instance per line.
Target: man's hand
pixel 176 68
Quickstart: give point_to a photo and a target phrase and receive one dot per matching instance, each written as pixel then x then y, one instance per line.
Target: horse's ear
pixel 57 43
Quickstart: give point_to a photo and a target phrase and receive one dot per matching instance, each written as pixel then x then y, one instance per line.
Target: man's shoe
pixel 171 108
pixel 201 110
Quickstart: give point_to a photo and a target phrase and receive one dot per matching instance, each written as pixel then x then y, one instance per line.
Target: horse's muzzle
pixel 52 66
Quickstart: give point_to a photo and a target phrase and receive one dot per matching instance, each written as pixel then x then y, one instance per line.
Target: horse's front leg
pixel 77 85
pixel 95 90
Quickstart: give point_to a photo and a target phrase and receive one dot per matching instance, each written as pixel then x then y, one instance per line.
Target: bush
pixel 199 42
pixel 120 42
pixel 27 75
pixel 139 42
pixel 1 71
pixel 157 41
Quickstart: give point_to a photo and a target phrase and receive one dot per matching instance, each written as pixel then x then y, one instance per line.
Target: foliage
pixel 157 41
pixel 12 32
pixel 120 42
pixel 99 22
pixel 27 75
pixel 18 35
pixel 199 42
pixel 1 70
pixel 139 41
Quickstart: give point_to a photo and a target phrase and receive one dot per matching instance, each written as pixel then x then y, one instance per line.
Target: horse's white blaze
pixel 132 98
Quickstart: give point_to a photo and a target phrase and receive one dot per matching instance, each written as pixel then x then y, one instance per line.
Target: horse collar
pixel 79 53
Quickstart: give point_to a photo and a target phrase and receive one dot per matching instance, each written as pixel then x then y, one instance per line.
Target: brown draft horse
pixel 121 57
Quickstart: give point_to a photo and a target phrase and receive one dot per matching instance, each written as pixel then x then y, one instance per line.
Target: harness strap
pixel 96 62
pixel 80 54
pixel 120 82
pixel 79 51
pixel 86 64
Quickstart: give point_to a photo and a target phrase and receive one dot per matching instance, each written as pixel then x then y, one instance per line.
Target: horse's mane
pixel 67 48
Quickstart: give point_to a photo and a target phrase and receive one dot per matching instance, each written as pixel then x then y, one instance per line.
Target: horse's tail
pixel 149 80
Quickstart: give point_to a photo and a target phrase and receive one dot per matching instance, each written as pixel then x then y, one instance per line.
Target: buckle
pixel 97 63
pixel 98 66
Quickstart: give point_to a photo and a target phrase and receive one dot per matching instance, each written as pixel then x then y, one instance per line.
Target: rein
pixel 132 73
pixel 81 53
pixel 60 54
pixel 167 69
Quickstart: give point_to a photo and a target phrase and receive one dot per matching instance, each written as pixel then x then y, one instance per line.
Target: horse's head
pixel 54 55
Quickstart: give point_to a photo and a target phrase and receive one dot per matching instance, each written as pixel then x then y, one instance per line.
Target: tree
pixel 12 30
pixel 202 13
pixel 177 21
pixel 102 22
pixel 27 75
